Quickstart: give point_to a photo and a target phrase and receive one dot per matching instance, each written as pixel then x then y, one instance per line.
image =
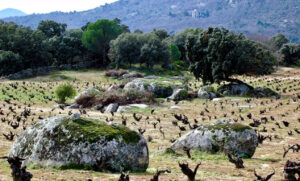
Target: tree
pixel 126 48
pixel 217 54
pixel 125 28
pixel 65 47
pixel 52 28
pixel 10 63
pixel 138 31
pixel 180 40
pixel 154 51
pixel 98 36
pixel 161 34
pixel 175 54
pixel 277 41
pixel 291 54
pixel 25 42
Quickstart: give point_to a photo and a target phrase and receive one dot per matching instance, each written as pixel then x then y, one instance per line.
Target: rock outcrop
pixel 88 93
pixel 206 92
pixel 179 94
pixel 158 89
pixel 72 141
pixel 234 89
pixel 234 138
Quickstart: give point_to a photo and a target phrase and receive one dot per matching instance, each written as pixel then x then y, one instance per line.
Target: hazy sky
pixel 45 6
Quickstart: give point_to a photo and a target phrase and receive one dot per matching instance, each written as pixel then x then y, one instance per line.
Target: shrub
pixel 65 91
pixel 10 62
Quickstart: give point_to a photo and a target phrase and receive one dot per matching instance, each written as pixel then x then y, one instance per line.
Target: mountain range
pixel 262 17
pixel 10 12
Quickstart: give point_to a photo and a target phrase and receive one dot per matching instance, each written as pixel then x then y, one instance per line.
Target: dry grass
pixel 268 156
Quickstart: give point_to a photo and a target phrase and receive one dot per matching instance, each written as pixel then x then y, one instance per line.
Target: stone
pixel 98 107
pixel 152 77
pixel 206 92
pixel 112 108
pixel 73 106
pixel 138 85
pixel 75 116
pixel 69 141
pixel 203 95
pixel 175 107
pixel 265 92
pixel 158 89
pixel 234 89
pixel 143 106
pixel 88 93
pixel 179 94
pixel 217 99
pixel 124 108
pixel 113 87
pixel 132 75
pixel 162 89
pixel 234 138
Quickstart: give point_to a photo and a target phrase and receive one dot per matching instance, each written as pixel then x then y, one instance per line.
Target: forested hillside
pixel 264 17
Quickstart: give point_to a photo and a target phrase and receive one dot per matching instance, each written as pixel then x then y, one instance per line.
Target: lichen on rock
pixel 234 138
pixel 67 142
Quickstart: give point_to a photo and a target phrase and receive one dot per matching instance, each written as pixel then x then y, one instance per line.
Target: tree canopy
pixel 291 54
pixel 99 34
pixel 52 28
pixel 217 54
pixel 139 48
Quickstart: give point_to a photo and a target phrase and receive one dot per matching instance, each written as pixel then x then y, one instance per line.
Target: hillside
pixel 9 12
pixel 267 17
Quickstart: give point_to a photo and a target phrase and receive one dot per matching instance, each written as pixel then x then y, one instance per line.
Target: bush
pixel 10 62
pixel 65 91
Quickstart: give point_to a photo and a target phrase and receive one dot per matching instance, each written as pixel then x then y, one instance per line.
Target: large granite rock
pixel 206 92
pixel 179 94
pixel 234 89
pixel 72 141
pixel 243 89
pixel 112 108
pixel 234 138
pixel 264 92
pixel 158 89
pixel 88 93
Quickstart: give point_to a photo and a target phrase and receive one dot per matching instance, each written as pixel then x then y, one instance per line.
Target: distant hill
pixel 9 12
pixel 266 17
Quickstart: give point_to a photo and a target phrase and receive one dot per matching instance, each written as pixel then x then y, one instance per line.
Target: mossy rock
pixel 73 142
pixel 92 130
pixel 179 94
pixel 226 137
pixel 227 127
pixel 263 92
pixel 159 89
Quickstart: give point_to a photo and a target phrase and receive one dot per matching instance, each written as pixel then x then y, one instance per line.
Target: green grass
pixel 141 110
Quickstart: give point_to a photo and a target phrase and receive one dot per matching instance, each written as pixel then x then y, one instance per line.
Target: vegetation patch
pixel 92 131
pixel 234 127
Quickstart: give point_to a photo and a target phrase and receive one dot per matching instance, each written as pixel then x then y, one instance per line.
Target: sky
pixel 46 6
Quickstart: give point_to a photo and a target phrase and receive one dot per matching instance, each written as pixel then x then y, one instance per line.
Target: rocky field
pixel 276 119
